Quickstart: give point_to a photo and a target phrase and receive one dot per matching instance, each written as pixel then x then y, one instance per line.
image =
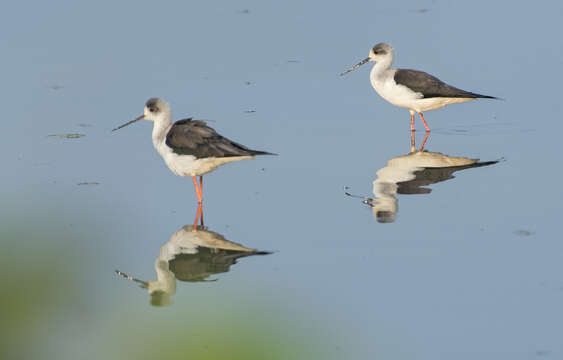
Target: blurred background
pixel 470 267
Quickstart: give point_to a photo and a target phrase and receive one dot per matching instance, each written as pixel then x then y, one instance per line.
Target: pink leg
pixel 413 148
pixel 197 190
pixel 412 121
pixel 201 196
pixel 200 205
pixel 424 122
pixel 201 186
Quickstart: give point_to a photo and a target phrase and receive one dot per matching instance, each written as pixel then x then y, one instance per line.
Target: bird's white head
pixel 379 53
pixel 156 110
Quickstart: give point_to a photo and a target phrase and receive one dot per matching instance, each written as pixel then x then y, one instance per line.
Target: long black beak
pixel 130 122
pixel 356 66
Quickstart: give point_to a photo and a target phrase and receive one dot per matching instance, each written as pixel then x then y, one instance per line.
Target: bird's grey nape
pixel 381 49
pixel 155 104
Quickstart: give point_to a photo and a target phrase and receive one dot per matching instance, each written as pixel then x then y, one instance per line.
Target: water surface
pixel 470 267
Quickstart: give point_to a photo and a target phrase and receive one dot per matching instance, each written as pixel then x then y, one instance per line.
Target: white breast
pixel 189 165
pixel 388 89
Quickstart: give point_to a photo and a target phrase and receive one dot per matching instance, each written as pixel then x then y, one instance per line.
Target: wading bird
pixel 190 147
pixel 411 89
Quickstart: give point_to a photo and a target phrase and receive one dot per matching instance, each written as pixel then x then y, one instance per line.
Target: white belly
pixel 203 166
pixel 188 165
pixel 427 104
pixel 404 97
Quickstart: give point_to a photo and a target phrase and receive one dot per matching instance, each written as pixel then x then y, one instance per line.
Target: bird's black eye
pixel 151 109
pixel 379 51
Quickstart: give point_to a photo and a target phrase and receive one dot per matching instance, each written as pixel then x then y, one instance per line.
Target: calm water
pixel 464 262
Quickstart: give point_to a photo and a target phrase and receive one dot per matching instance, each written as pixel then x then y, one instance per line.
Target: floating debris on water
pixel 249 111
pixel 247 83
pixel 56 87
pixel 85 125
pixel 244 11
pixel 524 233
pixel 88 183
pixel 294 61
pixel 46 163
pixel 67 136
pixel 420 11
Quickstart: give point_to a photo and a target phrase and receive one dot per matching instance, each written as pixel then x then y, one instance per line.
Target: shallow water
pixel 463 263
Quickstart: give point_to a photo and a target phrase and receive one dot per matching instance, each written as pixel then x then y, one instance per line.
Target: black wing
pixel 429 176
pixel 194 137
pixel 430 86
pixel 207 261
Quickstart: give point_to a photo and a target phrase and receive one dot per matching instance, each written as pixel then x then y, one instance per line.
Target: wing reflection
pixel 409 174
pixel 192 254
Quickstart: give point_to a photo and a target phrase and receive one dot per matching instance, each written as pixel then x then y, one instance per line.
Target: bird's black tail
pixel 258 152
pixel 479 96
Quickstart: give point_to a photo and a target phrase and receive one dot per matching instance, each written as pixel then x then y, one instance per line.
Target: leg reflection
pixel 198 217
pixel 413 145
pixel 424 141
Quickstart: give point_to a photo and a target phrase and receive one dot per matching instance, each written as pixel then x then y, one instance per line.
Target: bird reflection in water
pixel 193 256
pixel 409 174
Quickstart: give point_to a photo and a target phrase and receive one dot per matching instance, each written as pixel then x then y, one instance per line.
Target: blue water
pixel 470 270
